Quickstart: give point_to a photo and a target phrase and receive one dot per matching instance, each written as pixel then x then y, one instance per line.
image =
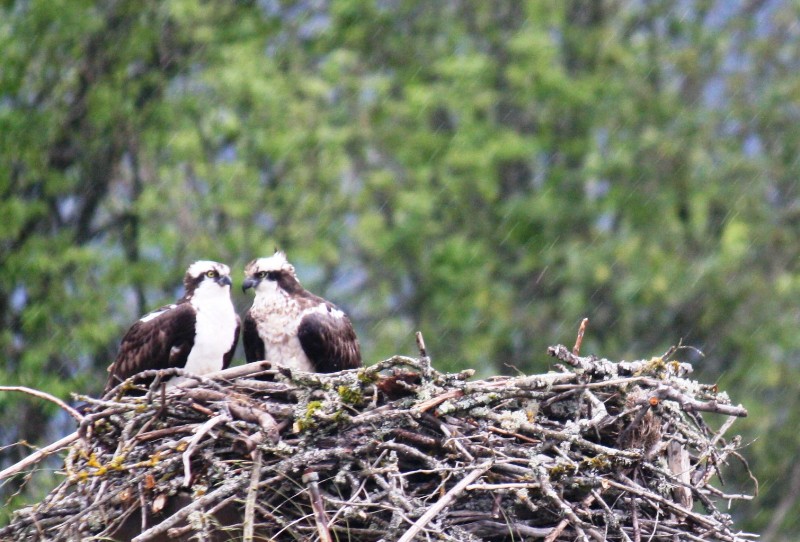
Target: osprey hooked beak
pixel 249 282
pixel 224 280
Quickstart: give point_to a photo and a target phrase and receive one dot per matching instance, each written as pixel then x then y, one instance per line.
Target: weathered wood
pixel 394 451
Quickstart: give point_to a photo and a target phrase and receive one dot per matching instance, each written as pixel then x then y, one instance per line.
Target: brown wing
pixel 160 340
pixel 253 345
pixel 329 341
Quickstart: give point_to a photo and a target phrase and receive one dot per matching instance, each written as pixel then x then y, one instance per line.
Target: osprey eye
pixel 261 274
pixel 212 274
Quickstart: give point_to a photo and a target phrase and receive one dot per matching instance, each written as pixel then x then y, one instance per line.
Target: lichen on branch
pixel 597 450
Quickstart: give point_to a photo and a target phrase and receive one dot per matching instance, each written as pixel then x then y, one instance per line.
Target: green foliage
pixel 488 173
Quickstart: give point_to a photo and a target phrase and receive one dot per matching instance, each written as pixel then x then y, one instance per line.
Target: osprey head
pixel 207 277
pixel 267 275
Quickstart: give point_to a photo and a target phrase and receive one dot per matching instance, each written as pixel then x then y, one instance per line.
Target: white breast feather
pixel 215 327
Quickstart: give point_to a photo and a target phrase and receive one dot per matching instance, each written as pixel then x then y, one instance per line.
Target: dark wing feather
pixel 253 345
pixel 329 341
pixel 159 343
pixel 226 359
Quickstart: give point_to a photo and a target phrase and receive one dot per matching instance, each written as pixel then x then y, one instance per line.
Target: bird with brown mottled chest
pixel 291 326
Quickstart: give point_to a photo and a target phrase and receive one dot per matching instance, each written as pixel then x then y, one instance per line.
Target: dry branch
pixel 607 451
pixel 47 397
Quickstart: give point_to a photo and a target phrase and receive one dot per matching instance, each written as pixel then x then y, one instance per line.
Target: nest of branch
pixel 398 451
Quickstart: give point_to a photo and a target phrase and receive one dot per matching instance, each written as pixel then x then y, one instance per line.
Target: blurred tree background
pixel 486 172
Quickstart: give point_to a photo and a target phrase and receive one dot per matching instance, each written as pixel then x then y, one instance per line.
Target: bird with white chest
pixel 197 333
pixel 289 325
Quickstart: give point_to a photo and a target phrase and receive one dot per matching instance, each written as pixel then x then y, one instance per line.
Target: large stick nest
pixel 398 451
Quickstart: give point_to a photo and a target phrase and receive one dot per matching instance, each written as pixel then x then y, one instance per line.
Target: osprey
pixel 198 333
pixel 292 326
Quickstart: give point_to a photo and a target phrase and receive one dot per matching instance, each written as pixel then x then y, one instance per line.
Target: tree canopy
pixel 487 173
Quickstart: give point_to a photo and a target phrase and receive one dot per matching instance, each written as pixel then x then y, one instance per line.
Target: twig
pixel 507 485
pixel 564 354
pixel 252 493
pixel 723 429
pixel 221 492
pixel 193 380
pixel 512 434
pixel 198 436
pixel 423 352
pixel 439 505
pixel 637 490
pixel 167 431
pixel 680 465
pixel 142 509
pixel 162 387
pixel 549 491
pixel 232 373
pixel 690 404
pixel 252 414
pixel 729 496
pixel 612 519
pixel 46 396
pixel 555 533
pixel 454 441
pixel 38 455
pixel 425 360
pixel 436 401
pixel 579 340
pixel 311 479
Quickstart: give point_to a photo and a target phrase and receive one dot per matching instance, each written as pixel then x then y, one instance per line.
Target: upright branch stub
pixel 579 339
pixel 423 353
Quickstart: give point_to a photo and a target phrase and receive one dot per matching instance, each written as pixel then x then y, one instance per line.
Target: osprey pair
pixel 199 332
